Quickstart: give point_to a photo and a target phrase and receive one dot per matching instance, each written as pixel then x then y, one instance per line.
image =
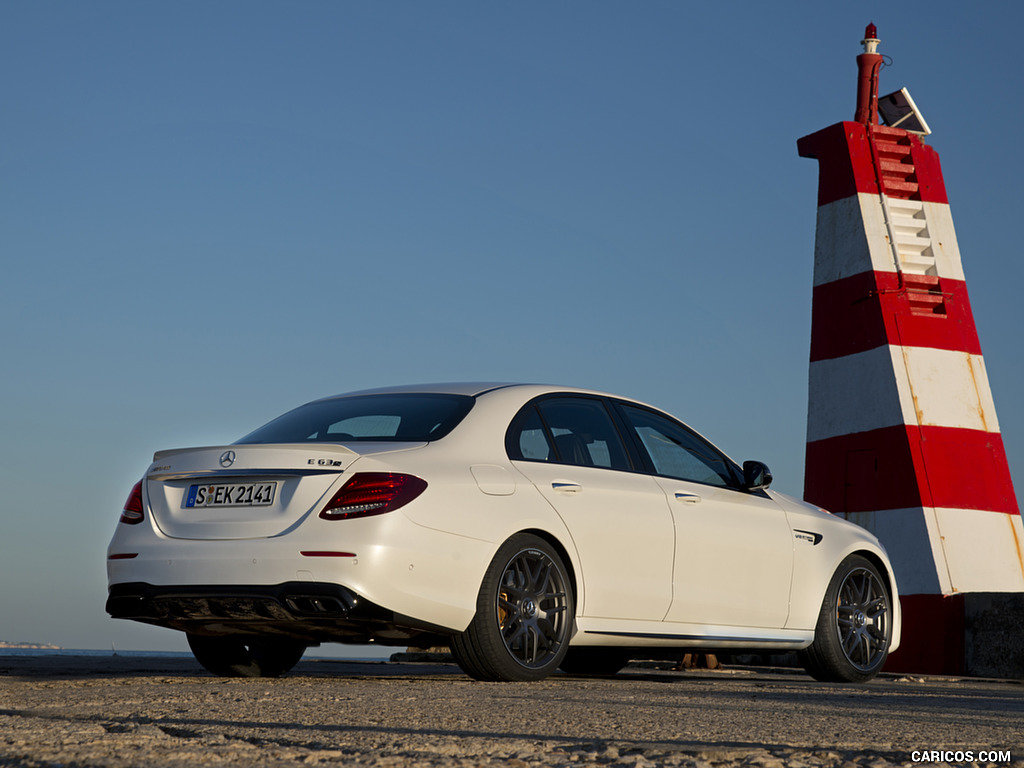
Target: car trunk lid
pixel 246 491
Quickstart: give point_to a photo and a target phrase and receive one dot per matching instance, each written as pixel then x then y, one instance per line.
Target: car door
pixel 571 450
pixel 734 548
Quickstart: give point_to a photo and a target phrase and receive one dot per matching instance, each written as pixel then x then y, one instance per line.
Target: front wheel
pixel 524 615
pixel 236 656
pixel 854 629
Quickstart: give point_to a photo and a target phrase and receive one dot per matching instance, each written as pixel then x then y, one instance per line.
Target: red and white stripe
pixel 902 435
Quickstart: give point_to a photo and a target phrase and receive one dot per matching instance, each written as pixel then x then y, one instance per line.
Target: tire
pixel 594 661
pixel 854 629
pixel 237 656
pixel 525 615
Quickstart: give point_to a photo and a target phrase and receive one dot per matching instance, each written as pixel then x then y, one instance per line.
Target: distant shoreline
pixel 25 650
pixel 33 646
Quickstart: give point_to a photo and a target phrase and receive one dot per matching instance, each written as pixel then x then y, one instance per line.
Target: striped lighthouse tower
pixel 902 435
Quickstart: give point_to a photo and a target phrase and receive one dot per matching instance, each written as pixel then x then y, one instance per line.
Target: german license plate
pixel 231 495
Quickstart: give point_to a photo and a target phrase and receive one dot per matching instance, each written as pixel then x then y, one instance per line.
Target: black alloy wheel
pixel 854 629
pixel 525 615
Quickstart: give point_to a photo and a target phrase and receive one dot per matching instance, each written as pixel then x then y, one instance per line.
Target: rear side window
pixel 529 439
pixel 567 430
pixel 399 417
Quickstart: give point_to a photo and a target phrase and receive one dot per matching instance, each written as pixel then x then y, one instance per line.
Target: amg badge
pixel 810 536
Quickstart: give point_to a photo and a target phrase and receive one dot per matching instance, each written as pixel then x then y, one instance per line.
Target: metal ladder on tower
pixel 906 220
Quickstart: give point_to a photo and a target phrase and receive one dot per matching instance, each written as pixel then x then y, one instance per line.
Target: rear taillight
pixel 372 493
pixel 132 512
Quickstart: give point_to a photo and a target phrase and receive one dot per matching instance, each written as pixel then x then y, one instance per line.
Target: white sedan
pixel 529 528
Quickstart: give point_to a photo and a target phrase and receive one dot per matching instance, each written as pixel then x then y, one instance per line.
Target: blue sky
pixel 212 212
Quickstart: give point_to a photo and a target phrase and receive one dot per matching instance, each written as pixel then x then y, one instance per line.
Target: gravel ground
pixel 132 711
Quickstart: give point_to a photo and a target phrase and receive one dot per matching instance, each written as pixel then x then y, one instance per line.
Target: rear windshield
pixel 402 417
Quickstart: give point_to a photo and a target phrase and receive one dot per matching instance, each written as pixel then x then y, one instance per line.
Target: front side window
pixel 677 452
pixel 567 430
pixel 398 417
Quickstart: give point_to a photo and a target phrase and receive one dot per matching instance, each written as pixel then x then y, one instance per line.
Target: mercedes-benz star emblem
pixel 227 458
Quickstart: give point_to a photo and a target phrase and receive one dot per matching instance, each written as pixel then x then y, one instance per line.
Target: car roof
pixel 441 388
pixel 471 388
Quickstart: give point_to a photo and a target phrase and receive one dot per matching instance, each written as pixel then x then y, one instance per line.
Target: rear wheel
pixel 854 629
pixel 236 656
pixel 524 615
pixel 594 661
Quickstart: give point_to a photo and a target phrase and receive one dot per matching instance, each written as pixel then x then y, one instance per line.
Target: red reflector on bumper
pixel 123 556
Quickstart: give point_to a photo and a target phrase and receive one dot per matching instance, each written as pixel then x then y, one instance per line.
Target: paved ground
pixel 125 711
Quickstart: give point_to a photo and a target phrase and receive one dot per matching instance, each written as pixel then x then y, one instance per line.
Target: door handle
pixel 563 487
pixel 688 498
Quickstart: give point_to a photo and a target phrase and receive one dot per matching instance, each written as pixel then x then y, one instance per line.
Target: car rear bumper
pixel 431 575
pixel 310 611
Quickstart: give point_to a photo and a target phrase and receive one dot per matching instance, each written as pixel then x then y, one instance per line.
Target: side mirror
pixel 756 475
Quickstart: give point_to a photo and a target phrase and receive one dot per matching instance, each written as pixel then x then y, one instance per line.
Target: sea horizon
pixel 115 652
